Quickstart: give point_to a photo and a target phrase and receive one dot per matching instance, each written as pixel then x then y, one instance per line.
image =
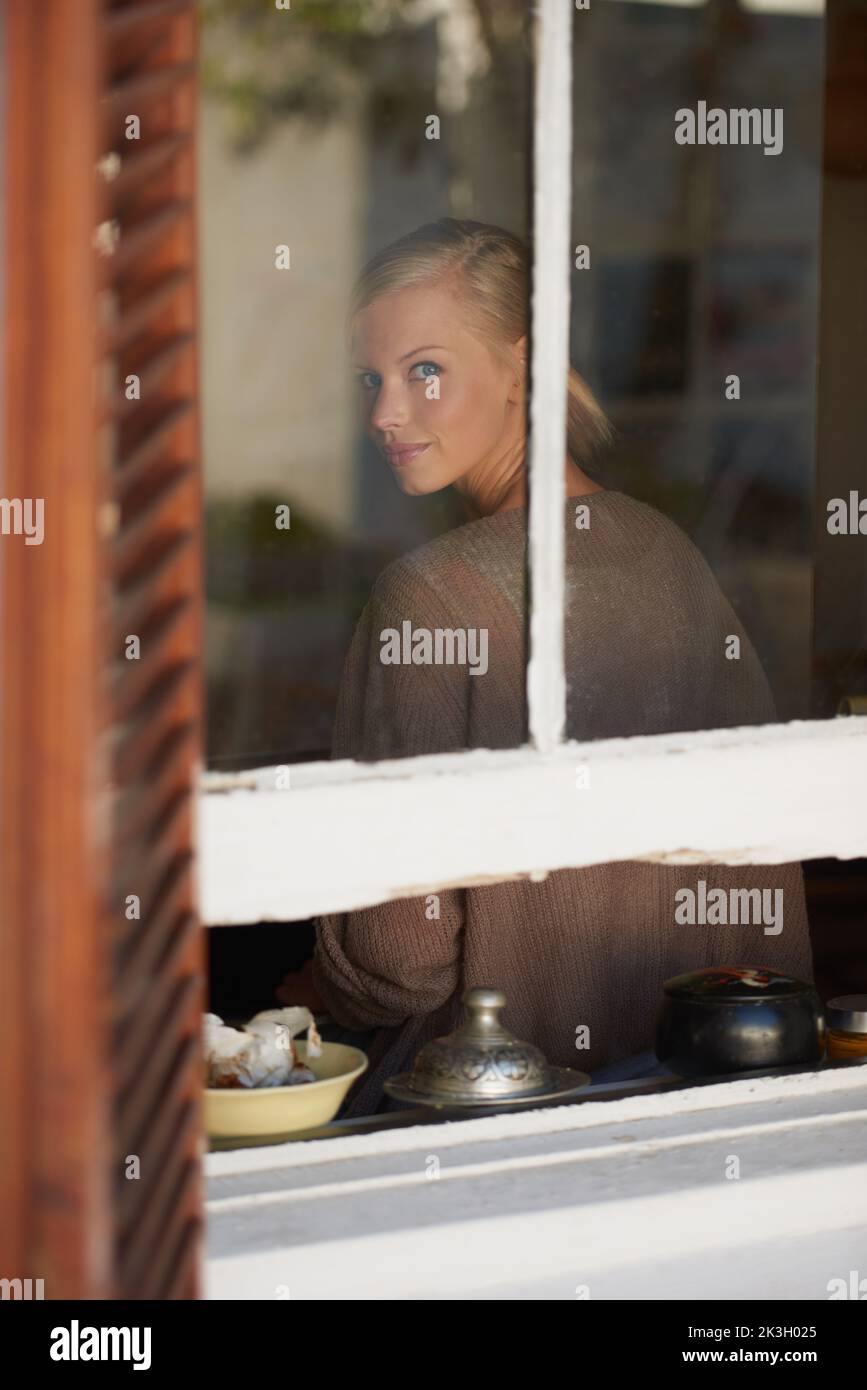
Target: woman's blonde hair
pixel 491 268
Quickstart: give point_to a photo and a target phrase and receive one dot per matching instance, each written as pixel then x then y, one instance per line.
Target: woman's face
pixel 436 400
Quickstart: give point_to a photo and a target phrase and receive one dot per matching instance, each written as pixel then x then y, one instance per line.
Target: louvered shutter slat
pixel 135 454
pixel 120 23
pixel 100 1004
pixel 144 306
pixel 154 572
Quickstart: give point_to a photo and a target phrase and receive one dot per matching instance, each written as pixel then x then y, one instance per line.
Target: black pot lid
pixel 719 983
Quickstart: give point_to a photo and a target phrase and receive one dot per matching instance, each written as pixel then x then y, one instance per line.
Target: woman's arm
pixel 380 965
pixel 298 988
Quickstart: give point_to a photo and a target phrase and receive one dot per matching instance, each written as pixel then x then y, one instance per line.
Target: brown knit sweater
pixel 645 651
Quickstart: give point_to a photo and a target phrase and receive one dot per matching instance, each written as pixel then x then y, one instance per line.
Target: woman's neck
pixel 489 501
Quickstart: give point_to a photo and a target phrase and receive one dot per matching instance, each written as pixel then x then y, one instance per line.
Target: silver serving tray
pixel 565 1081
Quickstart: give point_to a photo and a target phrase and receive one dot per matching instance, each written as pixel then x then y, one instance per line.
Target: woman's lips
pixel 401 454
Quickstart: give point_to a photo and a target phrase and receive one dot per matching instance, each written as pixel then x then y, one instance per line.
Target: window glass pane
pixel 357 605
pixel 698 195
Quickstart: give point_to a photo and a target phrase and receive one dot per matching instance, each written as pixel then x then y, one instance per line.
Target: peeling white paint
pixel 351 834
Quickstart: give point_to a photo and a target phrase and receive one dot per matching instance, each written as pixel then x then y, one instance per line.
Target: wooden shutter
pixel 100 1010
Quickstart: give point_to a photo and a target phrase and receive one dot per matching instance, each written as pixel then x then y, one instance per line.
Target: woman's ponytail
pixel 587 426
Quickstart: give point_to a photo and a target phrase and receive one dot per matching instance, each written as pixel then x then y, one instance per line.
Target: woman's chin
pixel 419 487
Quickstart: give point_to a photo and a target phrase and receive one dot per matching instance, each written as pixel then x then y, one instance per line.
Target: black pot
pixel 738 1018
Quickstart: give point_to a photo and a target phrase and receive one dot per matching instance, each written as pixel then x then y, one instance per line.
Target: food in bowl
pixel 260 1054
pixel 250 1114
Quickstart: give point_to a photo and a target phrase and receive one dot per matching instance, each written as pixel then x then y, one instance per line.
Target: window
pixel 708 794
pixel 102 633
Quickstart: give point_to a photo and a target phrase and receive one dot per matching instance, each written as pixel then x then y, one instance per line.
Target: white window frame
pixel 636 1201
pixel 346 835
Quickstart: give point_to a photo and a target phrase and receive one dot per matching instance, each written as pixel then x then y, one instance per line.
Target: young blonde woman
pixel 646 639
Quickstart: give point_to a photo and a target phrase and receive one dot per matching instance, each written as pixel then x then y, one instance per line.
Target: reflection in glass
pixel 317 136
pixel 699 318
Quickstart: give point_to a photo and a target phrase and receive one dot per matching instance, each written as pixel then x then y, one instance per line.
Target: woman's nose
pixel 389 410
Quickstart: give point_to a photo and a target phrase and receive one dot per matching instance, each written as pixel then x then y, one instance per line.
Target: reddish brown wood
pixel 55 1081
pixel 157 568
pixel 100 1013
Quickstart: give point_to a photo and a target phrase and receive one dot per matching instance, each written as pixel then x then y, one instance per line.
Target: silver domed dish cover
pixel 482 1063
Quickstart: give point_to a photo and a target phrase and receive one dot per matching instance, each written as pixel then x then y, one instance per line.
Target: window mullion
pixel 552 157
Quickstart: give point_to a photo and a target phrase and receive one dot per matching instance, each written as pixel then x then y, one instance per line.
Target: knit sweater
pixel 647 631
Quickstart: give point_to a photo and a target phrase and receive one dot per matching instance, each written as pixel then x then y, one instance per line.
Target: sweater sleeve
pixel 398 710
pixel 378 966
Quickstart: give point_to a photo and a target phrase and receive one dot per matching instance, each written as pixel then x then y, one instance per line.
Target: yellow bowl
pixel 269 1110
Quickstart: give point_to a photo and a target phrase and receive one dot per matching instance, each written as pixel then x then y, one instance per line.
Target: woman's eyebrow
pixel 427 347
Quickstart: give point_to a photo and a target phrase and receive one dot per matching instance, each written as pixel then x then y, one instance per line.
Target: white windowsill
pixel 627 1197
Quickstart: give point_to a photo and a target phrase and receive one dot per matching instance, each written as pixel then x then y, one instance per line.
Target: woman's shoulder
pixel 615 520
pixel 449 565
pixel 606 528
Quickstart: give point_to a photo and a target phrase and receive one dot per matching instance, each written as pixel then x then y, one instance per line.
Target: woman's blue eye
pixel 371 381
